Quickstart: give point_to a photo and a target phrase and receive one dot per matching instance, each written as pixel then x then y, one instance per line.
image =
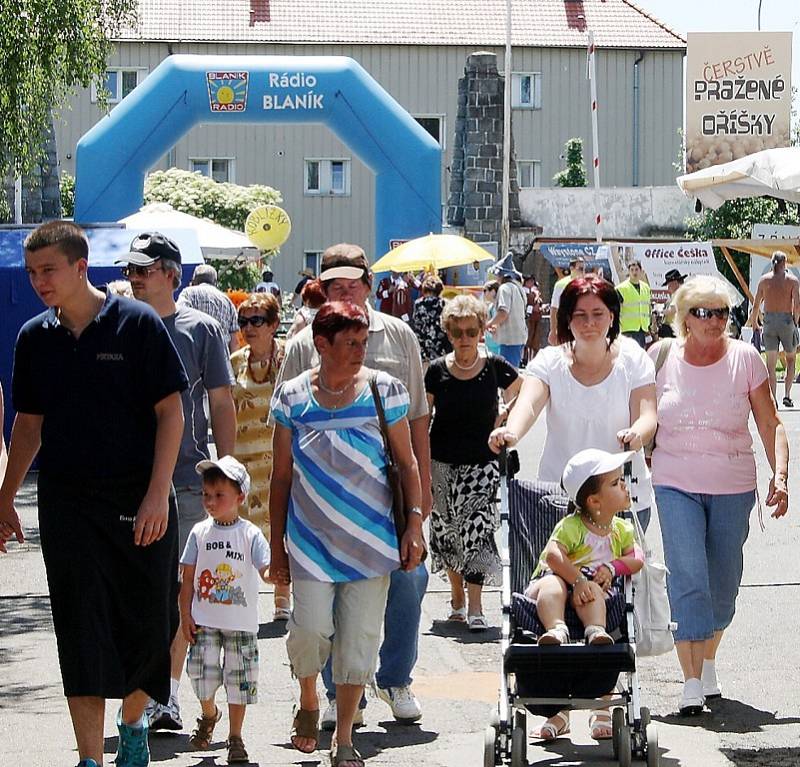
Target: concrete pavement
pixel 758 722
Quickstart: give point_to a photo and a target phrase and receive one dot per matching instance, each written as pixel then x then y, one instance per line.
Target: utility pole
pixel 505 235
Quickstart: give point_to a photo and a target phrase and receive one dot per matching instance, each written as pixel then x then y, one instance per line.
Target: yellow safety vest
pixel 635 313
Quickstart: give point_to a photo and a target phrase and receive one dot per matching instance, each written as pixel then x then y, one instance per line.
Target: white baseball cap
pixel 590 463
pixel 231 468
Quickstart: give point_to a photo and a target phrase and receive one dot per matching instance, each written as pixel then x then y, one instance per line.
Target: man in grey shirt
pixel 393 348
pixel 203 294
pixel 509 326
pixel 154 270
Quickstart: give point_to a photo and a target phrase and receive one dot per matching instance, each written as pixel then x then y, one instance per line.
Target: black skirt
pixel 114 604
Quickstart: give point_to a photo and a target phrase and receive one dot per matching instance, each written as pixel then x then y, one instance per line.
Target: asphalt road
pixel 757 723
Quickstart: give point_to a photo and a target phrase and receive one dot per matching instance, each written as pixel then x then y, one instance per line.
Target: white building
pixel 416 49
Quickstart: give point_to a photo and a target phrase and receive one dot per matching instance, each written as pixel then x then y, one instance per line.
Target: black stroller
pixel 544 680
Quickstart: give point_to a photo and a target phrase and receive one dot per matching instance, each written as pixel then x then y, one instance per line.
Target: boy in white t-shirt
pixel 223 558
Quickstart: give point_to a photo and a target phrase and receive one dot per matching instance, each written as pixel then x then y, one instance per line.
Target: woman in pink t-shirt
pixel 704 473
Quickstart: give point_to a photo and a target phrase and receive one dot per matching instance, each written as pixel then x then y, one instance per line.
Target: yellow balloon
pixel 268 227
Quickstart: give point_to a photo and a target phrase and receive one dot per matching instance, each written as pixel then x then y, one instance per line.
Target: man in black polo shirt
pixel 96 387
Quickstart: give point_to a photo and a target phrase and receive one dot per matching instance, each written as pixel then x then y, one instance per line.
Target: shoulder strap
pixel 663 353
pixel 373 385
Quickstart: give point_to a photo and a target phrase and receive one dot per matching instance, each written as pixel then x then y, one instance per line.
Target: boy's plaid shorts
pixel 238 670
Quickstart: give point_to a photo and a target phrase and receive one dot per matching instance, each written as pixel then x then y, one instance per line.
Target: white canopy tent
pixel 215 241
pixel 773 172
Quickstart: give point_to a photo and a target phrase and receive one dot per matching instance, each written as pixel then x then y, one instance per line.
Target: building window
pixel 434 124
pixel 218 168
pixel 326 177
pixel 119 83
pixel 526 90
pixel 311 260
pixel 529 173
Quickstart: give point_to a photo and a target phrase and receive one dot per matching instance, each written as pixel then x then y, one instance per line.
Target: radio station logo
pixel 227 91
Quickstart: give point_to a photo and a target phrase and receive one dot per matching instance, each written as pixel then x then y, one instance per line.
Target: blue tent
pixel 18 302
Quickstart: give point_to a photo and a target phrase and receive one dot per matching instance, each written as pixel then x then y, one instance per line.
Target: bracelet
pixel 611 566
pixel 415 510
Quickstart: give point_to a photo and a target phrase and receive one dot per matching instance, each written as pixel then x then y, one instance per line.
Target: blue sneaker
pixel 133 749
pixel 88 763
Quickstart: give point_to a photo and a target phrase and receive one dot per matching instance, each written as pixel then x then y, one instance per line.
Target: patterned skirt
pixel 464 521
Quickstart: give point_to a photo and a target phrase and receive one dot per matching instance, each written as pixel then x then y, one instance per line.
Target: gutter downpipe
pixel 636 89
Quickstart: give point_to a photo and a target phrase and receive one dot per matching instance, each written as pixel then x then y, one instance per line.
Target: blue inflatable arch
pixel 114 156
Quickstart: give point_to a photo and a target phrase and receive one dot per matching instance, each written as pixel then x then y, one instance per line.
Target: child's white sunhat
pixel 590 463
pixel 231 468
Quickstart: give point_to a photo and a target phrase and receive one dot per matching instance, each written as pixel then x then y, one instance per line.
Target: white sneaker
pixel 402 701
pixel 166 717
pixel 692 700
pixel 711 686
pixel 328 720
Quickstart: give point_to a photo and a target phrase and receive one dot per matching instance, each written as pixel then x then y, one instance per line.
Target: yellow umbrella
pixel 435 251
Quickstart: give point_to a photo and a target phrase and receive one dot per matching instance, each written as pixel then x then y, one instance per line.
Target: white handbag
pixel 652 618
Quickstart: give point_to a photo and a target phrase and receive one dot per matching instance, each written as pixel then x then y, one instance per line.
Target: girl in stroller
pixel 587 549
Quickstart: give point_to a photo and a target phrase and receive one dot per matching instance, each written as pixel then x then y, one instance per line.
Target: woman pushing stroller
pixel 587 549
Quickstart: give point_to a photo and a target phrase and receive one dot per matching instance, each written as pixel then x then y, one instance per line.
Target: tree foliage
pixel 225 204
pixel 734 221
pixel 67 192
pixel 198 195
pixel 47 49
pixel 575 173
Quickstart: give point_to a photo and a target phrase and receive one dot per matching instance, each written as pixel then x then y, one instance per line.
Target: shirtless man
pixel 779 291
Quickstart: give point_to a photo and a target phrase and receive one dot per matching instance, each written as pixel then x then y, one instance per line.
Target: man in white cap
pixel 508 326
pixel 779 291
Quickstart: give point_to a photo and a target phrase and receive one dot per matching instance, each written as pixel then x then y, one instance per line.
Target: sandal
pixel 282 613
pixel 236 750
pixel 457 614
pixel 305 725
pixel 597 635
pixel 550 730
pixel 343 754
pixel 200 738
pixel 477 622
pixel 600 724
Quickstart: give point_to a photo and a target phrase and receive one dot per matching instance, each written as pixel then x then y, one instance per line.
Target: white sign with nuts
pixel 738 95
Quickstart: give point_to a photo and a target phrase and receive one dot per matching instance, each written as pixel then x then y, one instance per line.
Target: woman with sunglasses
pixel 704 472
pixel 599 391
pixel 255 367
pixel 462 389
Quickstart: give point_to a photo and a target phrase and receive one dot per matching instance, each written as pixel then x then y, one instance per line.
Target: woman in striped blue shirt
pixel 334 536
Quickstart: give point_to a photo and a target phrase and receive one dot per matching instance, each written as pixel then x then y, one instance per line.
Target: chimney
pixel 259 11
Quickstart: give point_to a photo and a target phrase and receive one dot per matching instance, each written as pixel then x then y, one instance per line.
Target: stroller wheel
pixel 617 722
pixel 519 740
pixel 490 747
pixel 624 745
pixel 653 754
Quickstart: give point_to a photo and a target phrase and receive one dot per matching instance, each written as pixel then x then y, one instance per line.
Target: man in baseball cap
pixel 344 261
pixel 149 247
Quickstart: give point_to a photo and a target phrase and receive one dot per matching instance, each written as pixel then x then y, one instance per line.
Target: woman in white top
pixel 599 390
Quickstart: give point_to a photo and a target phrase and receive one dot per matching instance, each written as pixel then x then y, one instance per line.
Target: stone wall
pixel 476 176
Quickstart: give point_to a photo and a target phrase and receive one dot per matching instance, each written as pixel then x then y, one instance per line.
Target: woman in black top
pixel 462 390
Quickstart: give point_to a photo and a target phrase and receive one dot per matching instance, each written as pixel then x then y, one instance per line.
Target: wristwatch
pixel 415 510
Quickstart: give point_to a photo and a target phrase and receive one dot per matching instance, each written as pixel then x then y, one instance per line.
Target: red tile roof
pixel 535 23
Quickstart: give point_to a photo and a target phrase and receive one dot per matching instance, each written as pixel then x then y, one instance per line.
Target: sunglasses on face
pixel 707 314
pixel 458 332
pixel 139 271
pixel 256 321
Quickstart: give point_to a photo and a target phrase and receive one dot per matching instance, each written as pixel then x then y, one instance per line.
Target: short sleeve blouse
pixel 703 443
pixel 339 525
pixel 580 417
